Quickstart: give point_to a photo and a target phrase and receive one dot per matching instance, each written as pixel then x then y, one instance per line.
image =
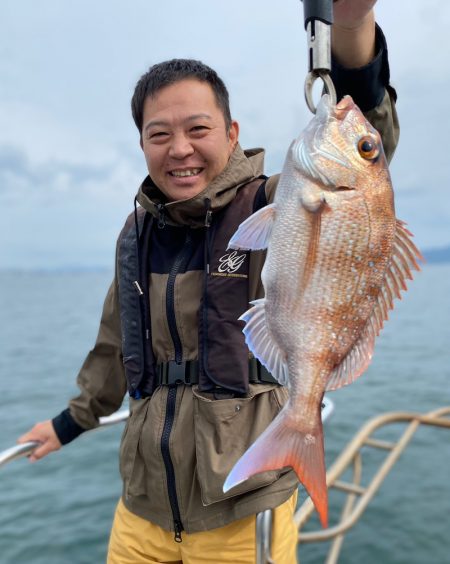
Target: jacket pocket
pixel 224 430
pixel 131 470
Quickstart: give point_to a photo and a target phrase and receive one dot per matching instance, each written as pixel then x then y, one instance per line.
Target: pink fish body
pixel 336 259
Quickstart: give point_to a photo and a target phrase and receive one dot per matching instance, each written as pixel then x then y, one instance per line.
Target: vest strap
pixel 170 373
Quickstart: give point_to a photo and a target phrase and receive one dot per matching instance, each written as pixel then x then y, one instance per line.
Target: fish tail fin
pixel 281 445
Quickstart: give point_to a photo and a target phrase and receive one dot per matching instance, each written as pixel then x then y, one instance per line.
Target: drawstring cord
pixel 137 283
pixel 161 215
pixel 208 221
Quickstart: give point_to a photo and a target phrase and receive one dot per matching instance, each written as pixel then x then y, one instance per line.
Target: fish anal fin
pixel 261 343
pixel 355 362
pixel 282 445
pixel 254 233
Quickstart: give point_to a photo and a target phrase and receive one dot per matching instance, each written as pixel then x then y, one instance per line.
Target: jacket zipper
pixel 178 265
pixel 206 257
pixel 170 472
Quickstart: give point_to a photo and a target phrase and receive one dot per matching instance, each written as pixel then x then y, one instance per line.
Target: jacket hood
pixel 242 167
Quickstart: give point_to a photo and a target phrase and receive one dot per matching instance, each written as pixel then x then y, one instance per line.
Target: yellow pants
pixel 137 541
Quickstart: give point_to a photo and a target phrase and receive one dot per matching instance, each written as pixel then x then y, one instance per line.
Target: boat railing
pixel 25 449
pixel 358 496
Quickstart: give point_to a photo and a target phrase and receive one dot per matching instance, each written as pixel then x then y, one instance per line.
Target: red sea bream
pixel 337 257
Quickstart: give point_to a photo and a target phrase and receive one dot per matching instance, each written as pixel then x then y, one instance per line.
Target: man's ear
pixel 233 134
pixel 141 143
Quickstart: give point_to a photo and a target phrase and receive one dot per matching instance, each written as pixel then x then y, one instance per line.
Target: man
pixel 169 331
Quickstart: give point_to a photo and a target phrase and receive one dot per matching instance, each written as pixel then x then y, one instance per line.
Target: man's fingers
pixel 27 437
pixel 41 451
pixel 42 433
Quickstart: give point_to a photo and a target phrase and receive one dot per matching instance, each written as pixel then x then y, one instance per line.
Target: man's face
pixel 184 138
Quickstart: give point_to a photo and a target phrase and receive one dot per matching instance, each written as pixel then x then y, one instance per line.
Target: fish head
pixel 339 148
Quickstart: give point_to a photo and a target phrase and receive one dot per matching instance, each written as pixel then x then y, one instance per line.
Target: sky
pixel 70 161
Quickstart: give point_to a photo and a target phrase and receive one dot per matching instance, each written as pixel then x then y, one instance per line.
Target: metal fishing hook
pixel 318 16
pixel 328 85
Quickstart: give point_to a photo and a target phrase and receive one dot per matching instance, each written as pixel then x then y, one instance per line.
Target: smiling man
pixel 169 333
pixel 186 137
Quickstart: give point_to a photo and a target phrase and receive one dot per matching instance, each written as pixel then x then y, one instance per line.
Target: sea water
pixel 59 510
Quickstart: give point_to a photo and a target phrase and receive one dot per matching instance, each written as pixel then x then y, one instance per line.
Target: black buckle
pixel 170 373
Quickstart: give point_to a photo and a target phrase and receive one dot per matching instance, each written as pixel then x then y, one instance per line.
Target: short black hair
pixel 168 72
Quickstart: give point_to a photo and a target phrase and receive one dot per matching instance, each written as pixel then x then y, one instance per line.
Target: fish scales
pixel 336 258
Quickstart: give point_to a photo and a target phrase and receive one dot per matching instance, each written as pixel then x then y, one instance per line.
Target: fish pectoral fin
pixel 404 259
pixel 254 233
pixel 312 199
pixel 261 343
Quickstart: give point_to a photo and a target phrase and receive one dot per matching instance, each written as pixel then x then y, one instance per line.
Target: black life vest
pixel 223 354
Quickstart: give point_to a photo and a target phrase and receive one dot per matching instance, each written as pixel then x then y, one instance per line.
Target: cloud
pixel 21 179
pixel 59 213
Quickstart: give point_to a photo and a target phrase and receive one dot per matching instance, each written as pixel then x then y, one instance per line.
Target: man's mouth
pixel 186 172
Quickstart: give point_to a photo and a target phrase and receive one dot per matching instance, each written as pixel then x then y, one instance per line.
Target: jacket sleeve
pixel 370 89
pixel 101 378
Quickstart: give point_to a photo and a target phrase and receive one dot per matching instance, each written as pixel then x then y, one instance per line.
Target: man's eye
pixel 157 135
pixel 198 128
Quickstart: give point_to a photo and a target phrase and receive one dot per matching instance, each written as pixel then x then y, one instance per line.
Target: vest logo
pixel 231 262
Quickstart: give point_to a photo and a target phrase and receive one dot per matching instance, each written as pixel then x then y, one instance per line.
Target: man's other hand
pixel 43 433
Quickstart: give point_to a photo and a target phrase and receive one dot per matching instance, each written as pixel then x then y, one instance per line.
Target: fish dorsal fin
pixel 404 259
pixel 261 343
pixel 254 233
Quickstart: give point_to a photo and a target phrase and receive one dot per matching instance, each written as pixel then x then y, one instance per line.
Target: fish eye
pixel 368 148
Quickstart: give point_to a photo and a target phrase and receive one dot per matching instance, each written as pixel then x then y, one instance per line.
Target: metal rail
pixel 25 449
pixel 359 496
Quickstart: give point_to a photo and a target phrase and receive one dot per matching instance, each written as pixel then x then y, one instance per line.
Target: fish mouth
pixel 346 104
pixel 344 107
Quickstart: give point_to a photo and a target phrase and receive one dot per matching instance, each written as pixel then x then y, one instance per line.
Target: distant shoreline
pixel 440 255
pixel 58 270
pixel 431 256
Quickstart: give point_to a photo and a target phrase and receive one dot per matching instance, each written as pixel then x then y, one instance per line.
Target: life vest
pixel 223 355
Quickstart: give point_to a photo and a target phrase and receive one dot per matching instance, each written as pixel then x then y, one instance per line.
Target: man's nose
pixel 180 147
